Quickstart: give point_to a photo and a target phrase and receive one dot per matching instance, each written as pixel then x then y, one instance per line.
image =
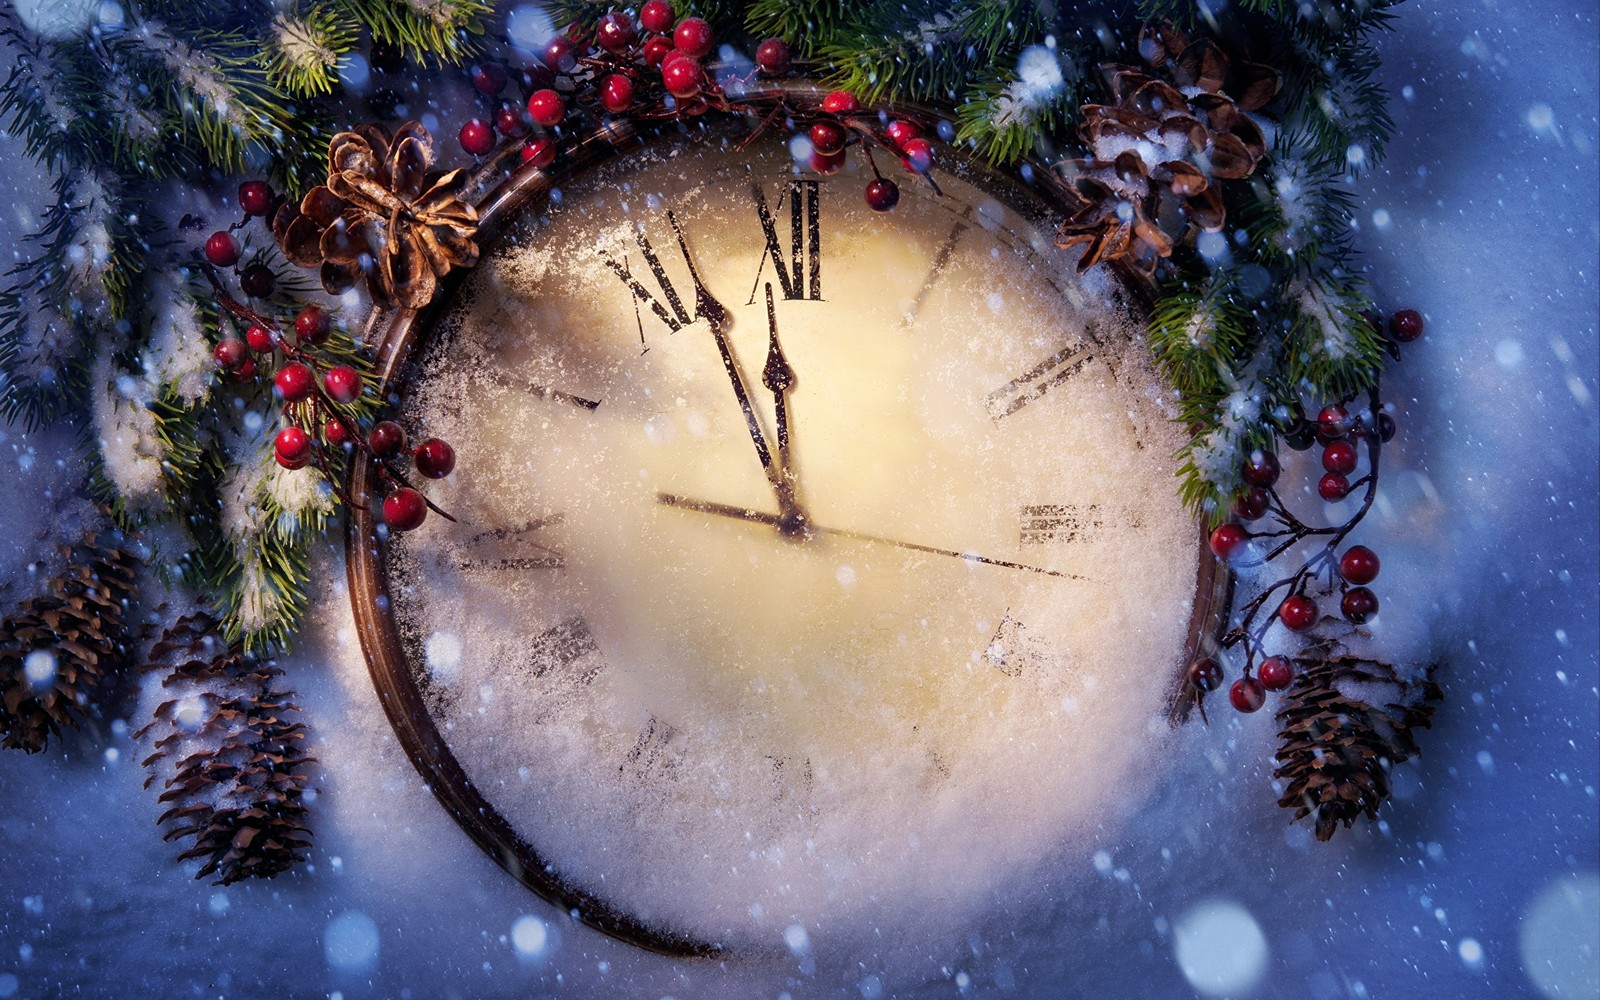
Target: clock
pixel 804 557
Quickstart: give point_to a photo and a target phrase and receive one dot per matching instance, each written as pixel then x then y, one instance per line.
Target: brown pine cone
pixel 59 651
pixel 1160 148
pixel 231 763
pixel 1338 750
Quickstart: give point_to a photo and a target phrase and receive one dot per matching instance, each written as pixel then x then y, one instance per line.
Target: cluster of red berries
pixel 830 134
pixel 321 392
pixel 1339 432
pixel 627 62
pixel 624 63
pixel 222 248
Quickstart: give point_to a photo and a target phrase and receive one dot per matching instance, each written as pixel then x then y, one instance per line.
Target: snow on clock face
pixel 809 560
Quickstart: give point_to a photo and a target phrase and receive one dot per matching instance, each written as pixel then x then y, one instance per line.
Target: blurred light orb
pixel 443 653
pixel 39 667
pixel 529 28
pixel 1559 938
pixel 530 936
pixel 1220 947
pixel 351 942
pixel 58 18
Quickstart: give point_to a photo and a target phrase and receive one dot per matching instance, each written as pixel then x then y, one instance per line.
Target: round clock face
pixel 806 558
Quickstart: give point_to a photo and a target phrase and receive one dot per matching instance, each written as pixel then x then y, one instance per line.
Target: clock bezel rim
pixel 398 334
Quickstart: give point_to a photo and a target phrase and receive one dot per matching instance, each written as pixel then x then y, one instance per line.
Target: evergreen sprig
pixel 445 32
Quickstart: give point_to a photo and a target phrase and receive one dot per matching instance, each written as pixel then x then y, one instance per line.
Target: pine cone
pixel 381 215
pixel 231 765
pixel 1337 750
pixel 59 650
pixel 1159 150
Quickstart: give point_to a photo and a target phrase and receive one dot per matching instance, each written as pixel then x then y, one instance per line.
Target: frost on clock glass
pixel 726 729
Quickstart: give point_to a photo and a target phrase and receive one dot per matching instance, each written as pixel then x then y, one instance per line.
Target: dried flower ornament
pixel 382 216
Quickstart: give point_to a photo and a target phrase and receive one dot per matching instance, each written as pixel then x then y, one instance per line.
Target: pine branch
pixel 1014 114
pixel 921 52
pixel 304 52
pixel 804 24
pixel 444 32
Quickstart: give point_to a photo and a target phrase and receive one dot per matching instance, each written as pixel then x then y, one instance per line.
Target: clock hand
pixel 778 377
pixel 814 530
pixel 706 307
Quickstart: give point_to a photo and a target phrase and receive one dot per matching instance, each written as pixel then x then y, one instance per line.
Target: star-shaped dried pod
pixel 382 216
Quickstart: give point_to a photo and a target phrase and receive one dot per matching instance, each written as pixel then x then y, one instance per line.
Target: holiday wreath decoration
pixel 1203 157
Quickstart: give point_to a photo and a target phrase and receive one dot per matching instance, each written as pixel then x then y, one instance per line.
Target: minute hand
pixel 815 531
pixel 716 316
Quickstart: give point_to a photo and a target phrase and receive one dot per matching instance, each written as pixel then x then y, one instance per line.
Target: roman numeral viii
pixel 800 271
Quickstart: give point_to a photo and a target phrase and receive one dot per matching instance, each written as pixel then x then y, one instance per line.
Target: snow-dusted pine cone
pixel 229 759
pixel 59 650
pixel 1158 152
pixel 1338 749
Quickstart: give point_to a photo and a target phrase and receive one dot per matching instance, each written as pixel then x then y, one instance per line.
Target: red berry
pixel 539 151
pixel 882 195
pixel 537 77
pixel 840 102
pixel 824 163
pixel 1333 487
pixel 294 382
pixel 508 121
pixel 657 16
pixel 342 384
pixel 258 281
pixel 222 249
pixel 255 197
pixel 336 432
pixel 435 458
pixel 292 448
pixel 1406 325
pixel 477 137
pixel 827 138
pixel 547 108
pixel 772 56
pixel 1228 540
pixel 259 338
pixel 1247 694
pixel 900 132
pixel 693 37
pixel 404 509
pixel 1340 457
pixel 231 354
pixel 1275 673
pixel 1260 468
pixel 683 77
pixel 490 78
pixel 616 93
pixel 917 155
pixel 1333 423
pixel 1298 612
pixel 656 51
pixel 1205 674
pixel 246 372
pixel 561 54
pixel 1251 504
pixel 387 438
pixel 1359 564
pixel 615 32
pixel 1358 604
pixel 311 325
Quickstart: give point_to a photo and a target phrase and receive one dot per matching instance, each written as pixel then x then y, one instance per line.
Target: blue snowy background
pixel 1483 880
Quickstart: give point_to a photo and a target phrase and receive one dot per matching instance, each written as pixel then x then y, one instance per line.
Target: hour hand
pixel 712 311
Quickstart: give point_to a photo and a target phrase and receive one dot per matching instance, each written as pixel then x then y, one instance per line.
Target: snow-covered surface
pixel 1483 879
